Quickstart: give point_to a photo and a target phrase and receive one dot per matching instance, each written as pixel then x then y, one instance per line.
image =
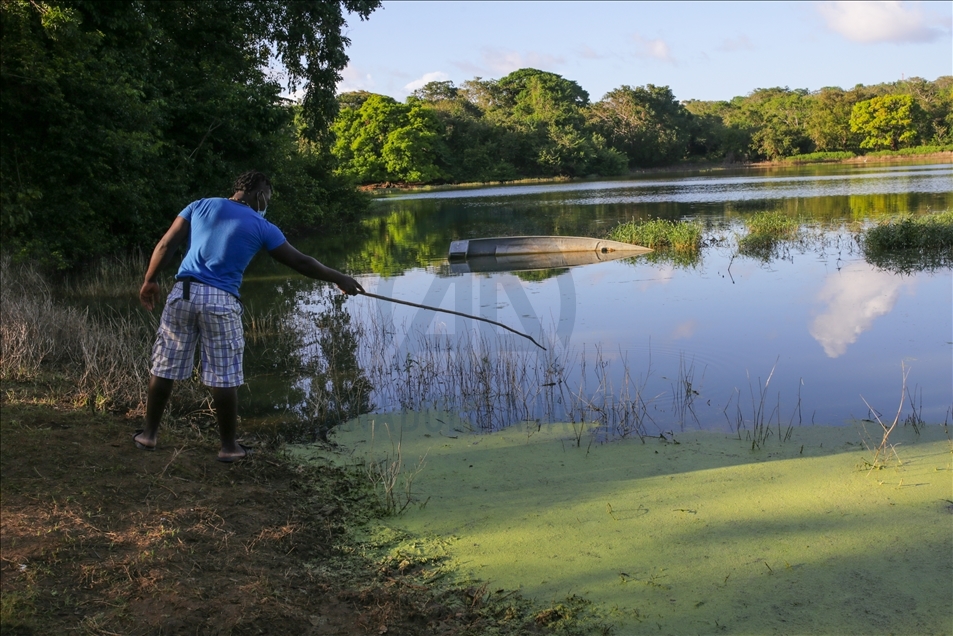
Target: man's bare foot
pixel 237 456
pixel 143 442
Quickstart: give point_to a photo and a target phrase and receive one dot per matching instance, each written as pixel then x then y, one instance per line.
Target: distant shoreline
pixel 946 154
pixel 387 186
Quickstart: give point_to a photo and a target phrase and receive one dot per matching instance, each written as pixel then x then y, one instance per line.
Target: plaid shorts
pixel 211 316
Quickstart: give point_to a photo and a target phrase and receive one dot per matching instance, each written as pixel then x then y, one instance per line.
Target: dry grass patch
pixel 100 538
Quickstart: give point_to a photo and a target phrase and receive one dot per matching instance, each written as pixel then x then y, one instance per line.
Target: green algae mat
pixel 686 533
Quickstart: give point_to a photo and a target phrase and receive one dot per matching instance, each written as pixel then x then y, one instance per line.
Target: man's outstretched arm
pixel 286 254
pixel 161 256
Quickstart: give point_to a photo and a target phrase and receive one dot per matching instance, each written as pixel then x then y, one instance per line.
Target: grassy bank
pixel 101 538
pixel 87 332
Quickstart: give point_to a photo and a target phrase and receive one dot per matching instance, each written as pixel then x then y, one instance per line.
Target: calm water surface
pixel 829 329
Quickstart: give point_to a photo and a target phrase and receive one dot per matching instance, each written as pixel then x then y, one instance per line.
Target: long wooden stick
pixel 455 313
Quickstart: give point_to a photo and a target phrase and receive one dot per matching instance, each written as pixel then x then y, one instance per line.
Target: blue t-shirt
pixel 224 236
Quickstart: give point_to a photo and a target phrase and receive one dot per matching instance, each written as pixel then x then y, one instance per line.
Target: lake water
pixel 812 334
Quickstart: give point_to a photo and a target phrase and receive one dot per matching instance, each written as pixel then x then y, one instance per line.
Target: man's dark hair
pixel 251 180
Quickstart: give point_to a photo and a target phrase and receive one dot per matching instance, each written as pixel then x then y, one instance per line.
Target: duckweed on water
pixel 689 533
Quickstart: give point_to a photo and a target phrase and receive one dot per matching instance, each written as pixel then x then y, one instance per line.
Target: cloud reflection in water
pixel 854 297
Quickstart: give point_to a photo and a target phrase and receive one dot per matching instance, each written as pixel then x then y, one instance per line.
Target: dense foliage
pixel 116 114
pixel 532 123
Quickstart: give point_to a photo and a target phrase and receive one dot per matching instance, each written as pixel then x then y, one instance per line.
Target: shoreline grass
pixel 820 157
pixel 383 189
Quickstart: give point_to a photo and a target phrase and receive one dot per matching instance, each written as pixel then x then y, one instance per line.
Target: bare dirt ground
pixel 101 538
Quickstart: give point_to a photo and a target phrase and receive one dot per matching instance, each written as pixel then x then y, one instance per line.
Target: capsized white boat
pixel 525 262
pixel 520 245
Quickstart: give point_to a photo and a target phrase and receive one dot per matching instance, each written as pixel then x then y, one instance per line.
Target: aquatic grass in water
pixel 932 232
pixel 766 230
pixel 772 224
pixel 660 234
pixel 904 244
pixel 678 242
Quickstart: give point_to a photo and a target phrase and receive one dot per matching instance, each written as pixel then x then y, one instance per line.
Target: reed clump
pixel 765 231
pixel 908 243
pixel 103 353
pixel 681 239
pixel 392 478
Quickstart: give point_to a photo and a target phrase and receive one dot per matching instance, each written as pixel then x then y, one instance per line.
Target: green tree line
pixel 532 123
pixel 117 114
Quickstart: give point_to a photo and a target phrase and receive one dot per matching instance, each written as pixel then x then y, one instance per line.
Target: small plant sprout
pixel 885 449
pixel 390 479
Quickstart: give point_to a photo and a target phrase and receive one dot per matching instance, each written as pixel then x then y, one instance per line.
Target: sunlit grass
pixel 108 279
pixel 917 150
pixel 106 352
pixel 820 157
pixel 681 237
pixel 908 243
pixel 765 231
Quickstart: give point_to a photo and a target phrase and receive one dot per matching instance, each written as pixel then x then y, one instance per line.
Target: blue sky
pixel 702 50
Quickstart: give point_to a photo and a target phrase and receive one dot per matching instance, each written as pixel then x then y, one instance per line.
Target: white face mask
pixel 264 210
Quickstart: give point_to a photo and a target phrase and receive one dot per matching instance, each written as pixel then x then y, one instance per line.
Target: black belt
pixel 187 289
pixel 187 285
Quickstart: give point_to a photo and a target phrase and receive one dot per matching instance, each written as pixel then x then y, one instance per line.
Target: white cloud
pixel 588 53
pixel 854 298
pixel 354 79
pixel 504 61
pixel 685 330
pixel 656 49
pixel 499 62
pixel 470 68
pixel 740 43
pixel 873 22
pixel 420 82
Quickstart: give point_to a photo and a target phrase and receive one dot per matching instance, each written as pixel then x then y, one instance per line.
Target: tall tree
pixel 476 150
pixel 645 123
pixel 779 118
pixel 116 113
pixel 714 133
pixel 828 120
pixel 546 111
pixel 385 140
pixel 887 122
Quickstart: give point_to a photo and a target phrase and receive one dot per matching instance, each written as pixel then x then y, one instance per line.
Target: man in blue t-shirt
pixel 203 307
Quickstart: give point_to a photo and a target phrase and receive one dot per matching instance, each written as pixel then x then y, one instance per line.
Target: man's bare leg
pixel 225 401
pixel 160 390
